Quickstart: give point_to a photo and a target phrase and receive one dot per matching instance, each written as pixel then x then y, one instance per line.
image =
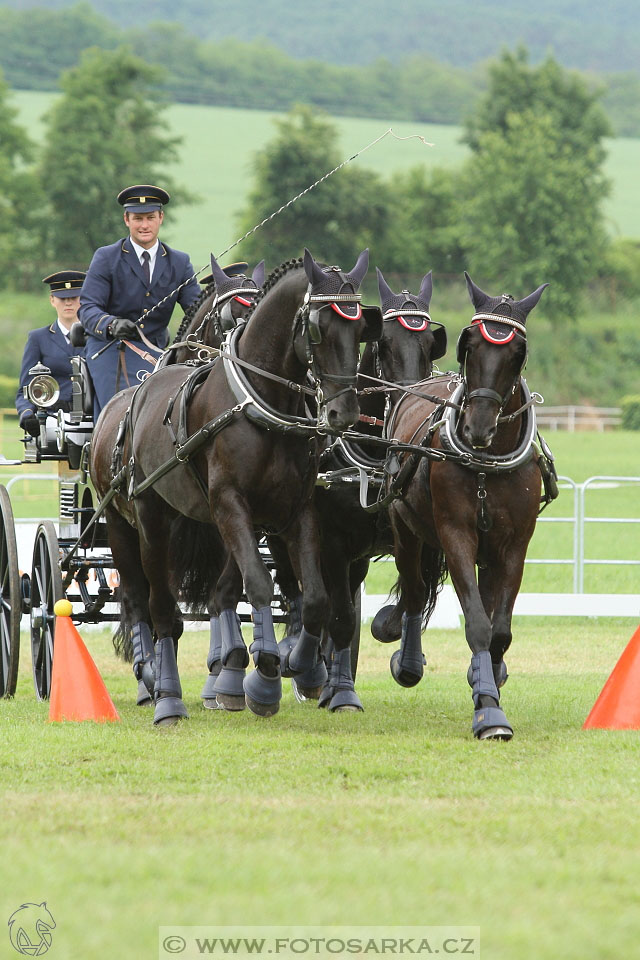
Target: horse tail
pixel 434 569
pixel 197 560
pixel 121 637
pixel 434 573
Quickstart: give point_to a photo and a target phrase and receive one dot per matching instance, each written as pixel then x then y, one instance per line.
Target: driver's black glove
pixel 123 329
pixel 30 423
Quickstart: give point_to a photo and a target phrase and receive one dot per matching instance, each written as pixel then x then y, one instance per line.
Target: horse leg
pixel 153 518
pixel 228 657
pixel 500 624
pixel 489 721
pixel 306 654
pixel 134 602
pixel 407 664
pixel 263 688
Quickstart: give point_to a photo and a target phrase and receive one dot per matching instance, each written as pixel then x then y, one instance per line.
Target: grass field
pixel 219 143
pixel 390 817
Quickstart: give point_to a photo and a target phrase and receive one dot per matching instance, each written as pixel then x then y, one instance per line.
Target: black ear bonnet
pixel 412 312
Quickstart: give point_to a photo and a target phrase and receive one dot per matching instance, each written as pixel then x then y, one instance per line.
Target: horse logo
pixel 30 929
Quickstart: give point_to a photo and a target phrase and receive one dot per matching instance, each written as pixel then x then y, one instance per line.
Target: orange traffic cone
pixel 618 706
pixel 77 689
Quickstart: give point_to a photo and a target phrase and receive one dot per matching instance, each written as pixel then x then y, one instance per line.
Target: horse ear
pixel 384 289
pixel 478 296
pixel 311 268
pixel 529 302
pixel 426 289
pixel 258 274
pixel 360 270
pixel 217 271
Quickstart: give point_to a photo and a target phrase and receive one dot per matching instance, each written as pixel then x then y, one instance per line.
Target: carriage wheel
pixel 10 599
pixel 46 589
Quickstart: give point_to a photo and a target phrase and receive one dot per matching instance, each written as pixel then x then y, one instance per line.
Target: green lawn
pixel 391 817
pixel 219 144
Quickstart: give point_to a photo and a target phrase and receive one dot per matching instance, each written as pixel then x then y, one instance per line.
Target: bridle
pixel 220 313
pixel 518 330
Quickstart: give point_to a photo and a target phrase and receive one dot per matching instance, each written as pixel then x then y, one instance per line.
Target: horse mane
pixel 190 312
pixel 272 279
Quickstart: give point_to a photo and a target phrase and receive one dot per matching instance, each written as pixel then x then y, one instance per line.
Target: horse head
pixel 410 340
pixel 329 329
pixel 492 352
pixel 234 293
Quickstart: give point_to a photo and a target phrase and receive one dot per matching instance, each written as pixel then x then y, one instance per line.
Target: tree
pixel 104 133
pixel 20 199
pixel 534 185
pixel 532 212
pixel 341 216
pixel 425 230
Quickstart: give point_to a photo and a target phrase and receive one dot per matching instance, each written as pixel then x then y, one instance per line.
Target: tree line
pixel 38 45
pixel 527 203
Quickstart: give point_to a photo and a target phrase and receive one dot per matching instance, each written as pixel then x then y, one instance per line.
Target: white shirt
pixel 63 330
pixel 152 251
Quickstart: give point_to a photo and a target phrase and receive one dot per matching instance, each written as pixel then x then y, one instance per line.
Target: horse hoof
pixel 302 693
pixel 347 708
pixel 380 629
pixel 167 722
pixel 262 709
pixel 490 723
pixel 228 702
pixel 284 649
pixel 403 676
pixel 144 698
pixel 211 704
pixel 325 697
pixel 345 700
pixel 496 733
pixel 169 710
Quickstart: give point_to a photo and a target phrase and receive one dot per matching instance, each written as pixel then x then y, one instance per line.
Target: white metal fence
pixel 572 418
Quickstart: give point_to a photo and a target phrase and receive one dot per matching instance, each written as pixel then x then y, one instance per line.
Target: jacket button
pixel 147 294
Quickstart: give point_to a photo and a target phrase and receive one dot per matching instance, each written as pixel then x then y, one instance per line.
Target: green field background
pixel 219 144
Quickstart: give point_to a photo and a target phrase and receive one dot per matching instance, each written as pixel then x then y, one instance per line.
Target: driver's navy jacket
pixel 115 287
pixel 48 345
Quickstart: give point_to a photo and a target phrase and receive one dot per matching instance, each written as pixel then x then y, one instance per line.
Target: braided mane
pixel 273 278
pixel 191 311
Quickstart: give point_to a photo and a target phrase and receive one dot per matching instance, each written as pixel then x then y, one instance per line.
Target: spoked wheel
pixel 46 589
pixel 10 599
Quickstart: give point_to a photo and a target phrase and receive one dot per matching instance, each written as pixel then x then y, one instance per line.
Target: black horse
pixel 229 451
pixel 475 506
pixel 227 297
pixel 351 534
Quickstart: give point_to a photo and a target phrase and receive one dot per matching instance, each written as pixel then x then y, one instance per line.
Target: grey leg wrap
pixel 264 685
pixel 234 656
pixel 500 674
pixel 407 663
pixel 167 689
pixel 214 659
pixel 143 662
pixel 341 685
pixel 294 628
pixel 483 684
pixel 305 655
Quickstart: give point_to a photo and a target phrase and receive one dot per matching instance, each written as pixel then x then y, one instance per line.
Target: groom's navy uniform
pixel 116 287
pixel 50 346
